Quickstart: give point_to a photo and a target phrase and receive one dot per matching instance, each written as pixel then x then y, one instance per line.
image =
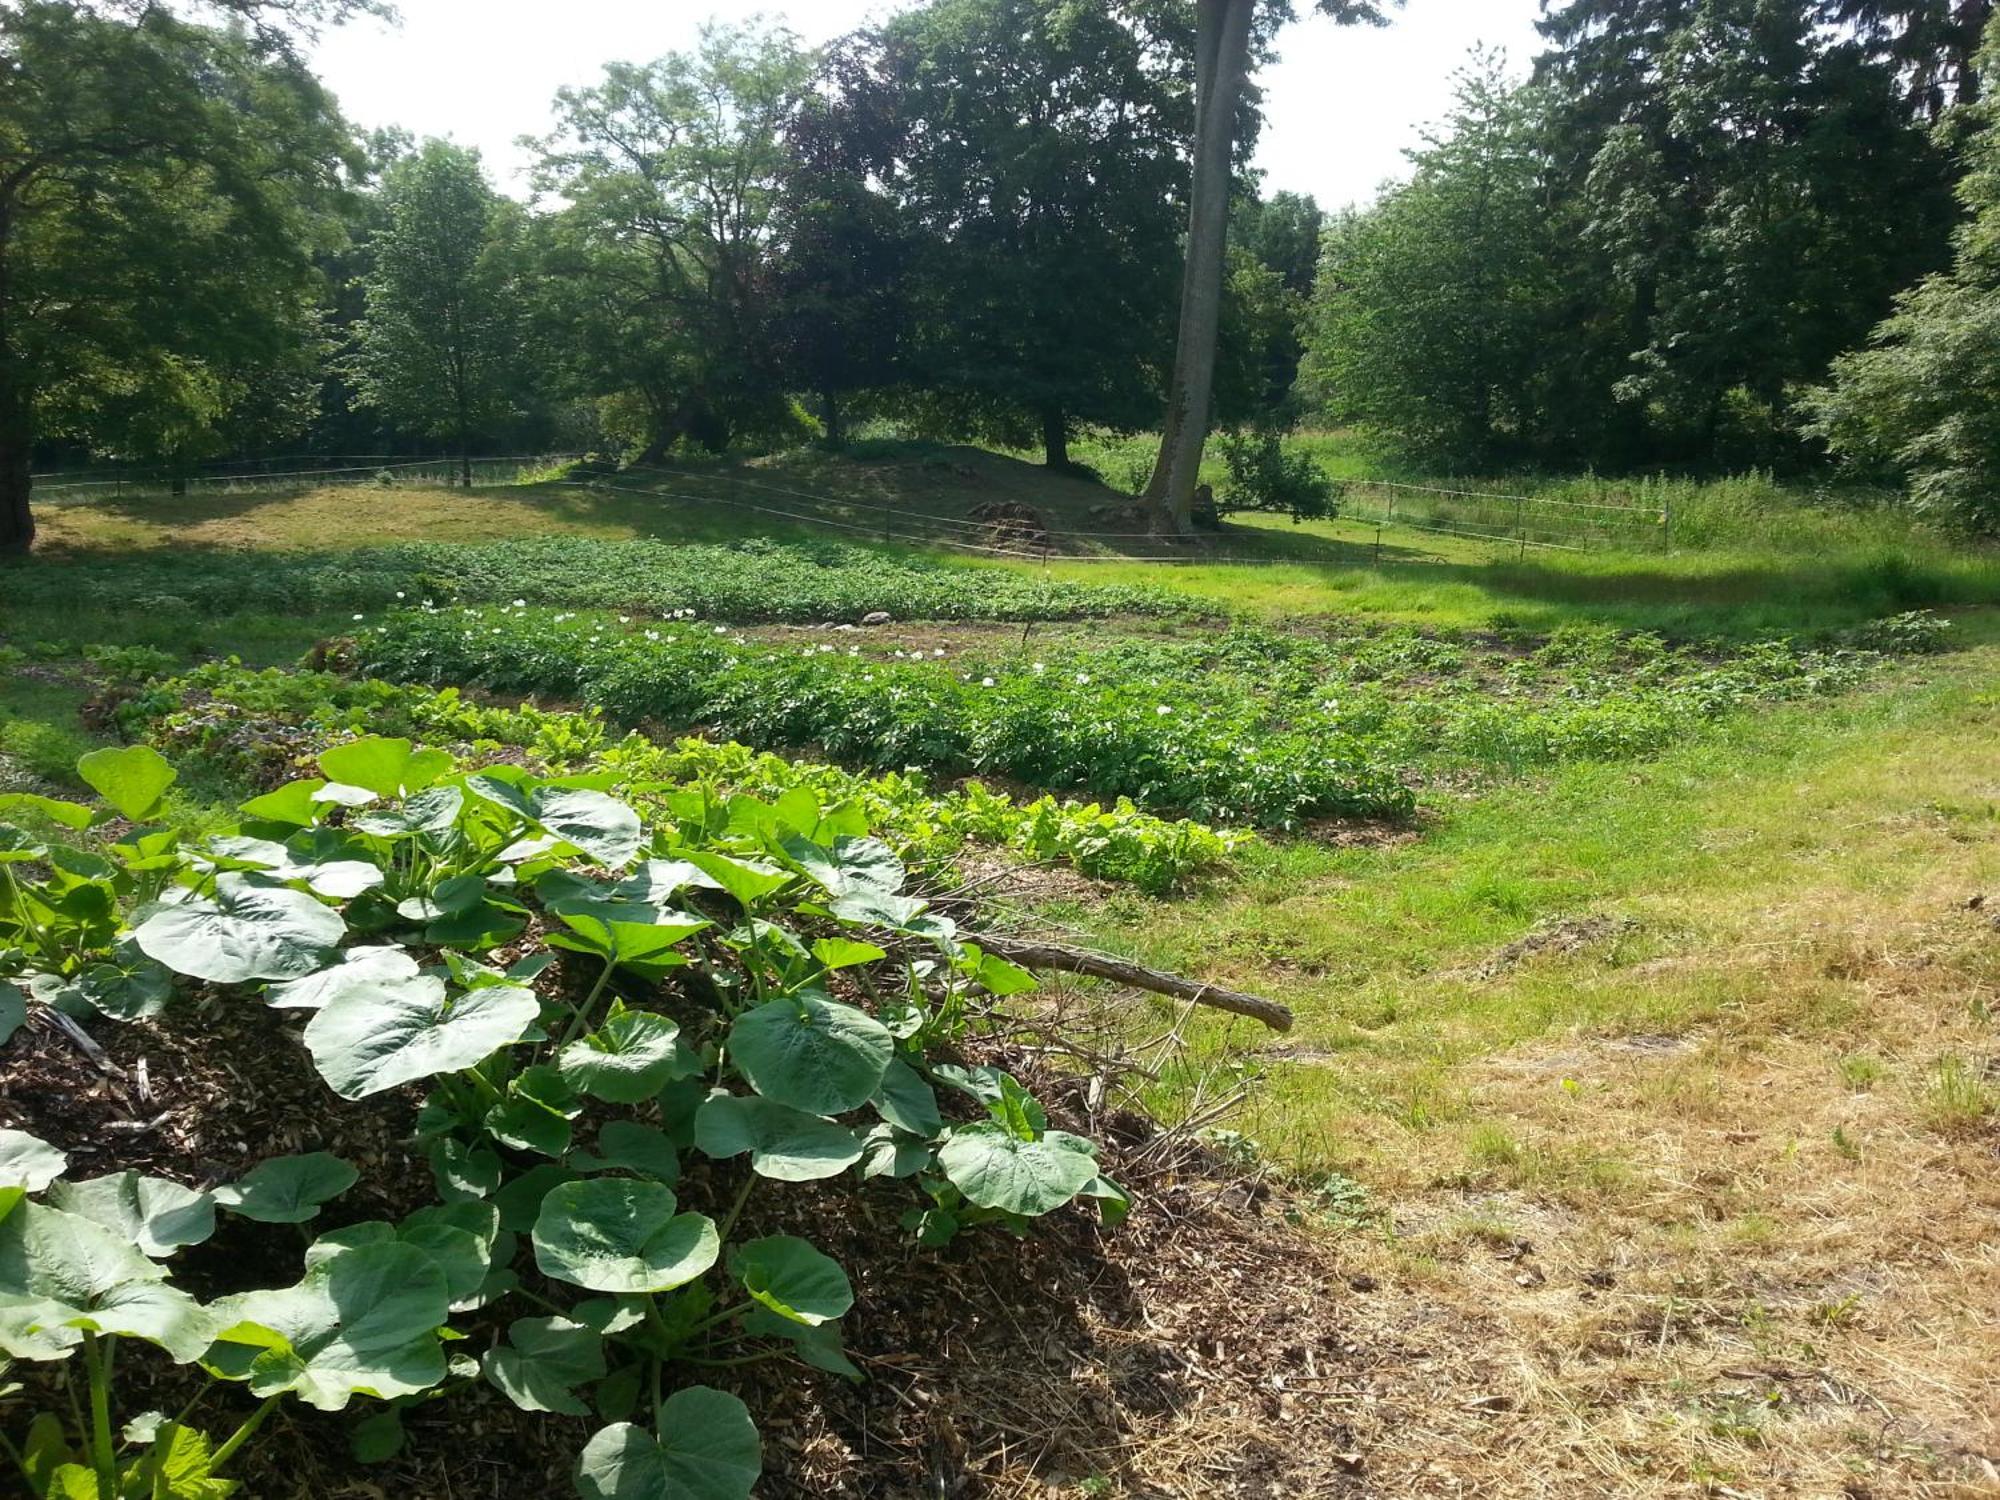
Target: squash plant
pixel 742 1002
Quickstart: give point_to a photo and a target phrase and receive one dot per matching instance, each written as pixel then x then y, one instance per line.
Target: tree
pixel 1932 44
pixel 660 265
pixel 162 188
pixel 1923 397
pixel 1223 53
pixel 436 349
pixel 1037 166
pixel 1428 321
pixel 841 248
pixel 1737 193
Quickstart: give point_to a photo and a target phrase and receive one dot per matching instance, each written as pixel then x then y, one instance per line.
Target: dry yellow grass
pixel 1707 1204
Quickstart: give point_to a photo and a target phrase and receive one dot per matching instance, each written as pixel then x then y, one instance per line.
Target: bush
pixel 1263 476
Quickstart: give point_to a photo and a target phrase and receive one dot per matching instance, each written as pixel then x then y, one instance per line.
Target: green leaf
pixel 785 1144
pixel 249 931
pixel 28 1162
pixel 625 932
pixel 845 953
pixel 457 1237
pixel 536 1114
pixel 626 1060
pixel 71 815
pixel 377 1439
pixel 602 827
pixel 363 1322
pixel 907 1102
pixel 628 1146
pixel 543 1363
pixel 128 986
pixel 13 1010
pixel 154 1214
pixel 787 1275
pixel 520 1198
pixel 611 1234
pixel 463 1173
pixel 707 1450
pixel 183 1467
pixel 62 1275
pixel 811 1052
pixel 288 1189
pixel 294 803
pixel 367 1040
pixel 336 879
pixel 655 882
pixel 851 867
pixel 356 969
pixel 390 768
pixel 887 1152
pixel 749 881
pixel 995 1168
pixel 132 780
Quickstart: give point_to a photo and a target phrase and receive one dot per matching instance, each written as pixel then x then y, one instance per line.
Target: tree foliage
pixel 1923 397
pixel 438 347
pixel 163 187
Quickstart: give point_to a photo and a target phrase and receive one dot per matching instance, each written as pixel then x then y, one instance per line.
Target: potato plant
pixel 586 1018
pixel 251 724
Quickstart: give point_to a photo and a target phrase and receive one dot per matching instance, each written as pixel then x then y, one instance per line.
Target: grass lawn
pixel 1653 1103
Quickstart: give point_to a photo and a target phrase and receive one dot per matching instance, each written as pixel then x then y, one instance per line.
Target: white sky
pixel 1341 104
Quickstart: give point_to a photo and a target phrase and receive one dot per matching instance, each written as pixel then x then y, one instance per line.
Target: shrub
pixel 1264 476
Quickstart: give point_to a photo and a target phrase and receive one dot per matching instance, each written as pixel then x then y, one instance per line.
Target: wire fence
pixel 293 471
pixel 1522 522
pixel 1517 521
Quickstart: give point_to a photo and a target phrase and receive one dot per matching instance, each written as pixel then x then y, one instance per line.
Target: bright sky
pixel 1341 104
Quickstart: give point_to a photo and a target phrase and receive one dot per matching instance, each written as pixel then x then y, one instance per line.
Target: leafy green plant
pixel 1263 475
pixel 764 1000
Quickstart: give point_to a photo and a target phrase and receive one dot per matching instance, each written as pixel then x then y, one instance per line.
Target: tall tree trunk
pixel 829 402
pixel 17 520
pixel 1055 439
pixel 1222 61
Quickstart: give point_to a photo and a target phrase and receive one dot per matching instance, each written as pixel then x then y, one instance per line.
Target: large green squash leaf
pixel 152 1213
pixel 28 1162
pixel 616 1235
pixel 707 1450
pixel 364 1322
pixel 543 1362
pixel 62 1275
pixel 785 1144
pixel 132 780
pixel 787 1275
pixel 811 1052
pixel 996 1168
pixel 371 1038
pixel 288 1189
pixel 628 1059
pixel 602 827
pixel 356 969
pixel 251 930
pixel 390 768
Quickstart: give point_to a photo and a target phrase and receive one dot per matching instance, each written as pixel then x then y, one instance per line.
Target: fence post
pixel 1667 522
pixel 1521 524
pixel 1378 544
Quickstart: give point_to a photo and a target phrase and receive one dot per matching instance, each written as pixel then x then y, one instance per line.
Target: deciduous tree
pixel 162 188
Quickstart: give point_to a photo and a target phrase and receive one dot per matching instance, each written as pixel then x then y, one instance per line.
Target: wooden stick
pixel 1055 956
